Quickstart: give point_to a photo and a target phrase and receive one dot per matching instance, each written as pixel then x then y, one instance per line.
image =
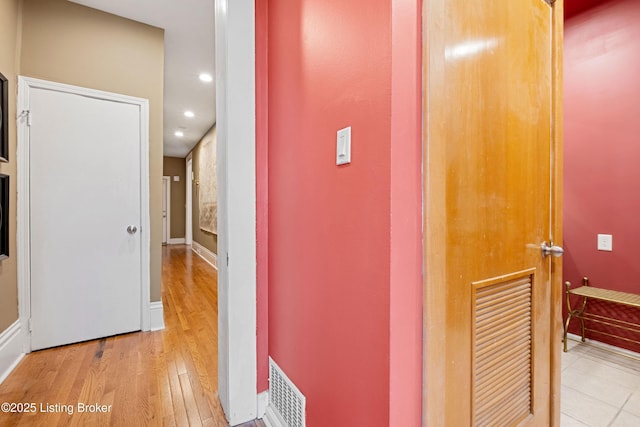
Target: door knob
pixel 132 229
pixel 551 249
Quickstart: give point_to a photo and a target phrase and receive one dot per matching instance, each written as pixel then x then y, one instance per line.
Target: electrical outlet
pixel 605 242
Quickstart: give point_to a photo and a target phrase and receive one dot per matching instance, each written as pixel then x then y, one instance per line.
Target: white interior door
pixel 85 217
pixel 165 201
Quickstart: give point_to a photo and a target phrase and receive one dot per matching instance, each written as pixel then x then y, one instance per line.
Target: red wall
pixel 344 314
pixel 574 7
pixel 602 148
pixel 262 196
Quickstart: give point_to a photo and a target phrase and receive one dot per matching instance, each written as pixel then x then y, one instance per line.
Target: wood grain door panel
pixel 488 166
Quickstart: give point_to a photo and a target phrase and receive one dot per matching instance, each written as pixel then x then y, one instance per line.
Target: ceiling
pixel 189 51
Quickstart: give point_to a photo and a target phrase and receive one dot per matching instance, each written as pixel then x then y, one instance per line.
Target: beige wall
pixel 175 166
pixel 68 43
pixel 9 67
pixel 206 239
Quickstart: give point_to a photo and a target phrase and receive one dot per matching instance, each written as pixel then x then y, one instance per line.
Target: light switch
pixel 343 146
pixel 176 178
pixel 605 242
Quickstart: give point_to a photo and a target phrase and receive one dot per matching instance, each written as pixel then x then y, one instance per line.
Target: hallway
pixel 167 377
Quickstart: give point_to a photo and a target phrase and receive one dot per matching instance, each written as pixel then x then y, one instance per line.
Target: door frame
pixel 235 24
pixel 557 185
pixel 25 85
pixel 167 194
pixel 188 223
pixel 434 298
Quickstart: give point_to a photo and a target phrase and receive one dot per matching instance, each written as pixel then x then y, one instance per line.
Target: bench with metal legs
pixel 589 292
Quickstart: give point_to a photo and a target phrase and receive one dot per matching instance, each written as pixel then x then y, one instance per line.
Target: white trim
pixel 176 241
pixel 188 223
pixel 604 346
pixel 271 418
pixel 145 198
pixel 25 84
pixel 236 173
pixel 168 196
pixel 23 207
pixel 263 402
pixel 205 254
pixel 156 314
pixel 10 349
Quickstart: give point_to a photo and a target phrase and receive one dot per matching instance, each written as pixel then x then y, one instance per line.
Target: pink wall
pixel 406 215
pixel 344 314
pixel 262 199
pixel 602 135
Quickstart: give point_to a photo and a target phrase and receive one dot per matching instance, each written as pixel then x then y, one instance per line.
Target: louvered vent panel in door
pixel 502 354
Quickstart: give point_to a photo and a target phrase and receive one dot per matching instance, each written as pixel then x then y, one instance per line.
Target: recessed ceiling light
pixel 179 133
pixel 189 113
pixel 206 77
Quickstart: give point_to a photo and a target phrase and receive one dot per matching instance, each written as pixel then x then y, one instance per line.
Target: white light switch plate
pixel 343 146
pixel 176 178
pixel 605 242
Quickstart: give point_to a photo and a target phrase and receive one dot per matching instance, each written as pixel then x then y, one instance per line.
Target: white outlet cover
pixel 605 242
pixel 176 178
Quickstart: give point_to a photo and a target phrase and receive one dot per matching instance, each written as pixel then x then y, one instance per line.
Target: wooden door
pixel 490 322
pixel 85 215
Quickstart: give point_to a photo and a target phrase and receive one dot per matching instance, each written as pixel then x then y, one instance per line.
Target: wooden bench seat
pixel 608 295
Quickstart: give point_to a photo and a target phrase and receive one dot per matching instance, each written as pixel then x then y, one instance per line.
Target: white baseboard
pixel 205 254
pixel 10 349
pixel 156 316
pixel 263 401
pixel 176 241
pixel 604 346
pixel 271 419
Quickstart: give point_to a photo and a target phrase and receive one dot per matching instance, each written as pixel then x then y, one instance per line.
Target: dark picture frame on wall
pixel 4 119
pixel 4 216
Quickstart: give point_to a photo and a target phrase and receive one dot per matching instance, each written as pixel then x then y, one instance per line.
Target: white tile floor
pixel 599 388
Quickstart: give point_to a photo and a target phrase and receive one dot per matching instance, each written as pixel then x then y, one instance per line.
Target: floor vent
pixel 285 400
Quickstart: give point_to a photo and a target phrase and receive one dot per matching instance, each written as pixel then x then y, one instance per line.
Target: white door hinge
pixel 29 325
pixel 227 260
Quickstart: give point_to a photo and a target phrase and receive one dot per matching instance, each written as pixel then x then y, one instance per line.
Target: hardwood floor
pixel 163 378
